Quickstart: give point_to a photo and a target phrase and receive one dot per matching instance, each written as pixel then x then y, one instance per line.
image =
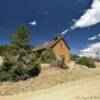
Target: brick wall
pixel 60 49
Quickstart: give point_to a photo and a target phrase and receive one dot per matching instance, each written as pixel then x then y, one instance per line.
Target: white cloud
pixel 94 37
pixel 33 23
pixel 92 50
pixel 65 31
pixel 90 17
pixel 98 35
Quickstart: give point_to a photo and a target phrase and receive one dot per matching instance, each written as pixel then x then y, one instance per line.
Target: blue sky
pixel 78 20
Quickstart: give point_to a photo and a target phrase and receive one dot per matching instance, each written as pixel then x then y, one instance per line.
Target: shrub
pixel 3 74
pixel 73 57
pixel 47 55
pixel 89 62
pixel 14 71
pixel 17 73
pixel 8 63
pixel 34 70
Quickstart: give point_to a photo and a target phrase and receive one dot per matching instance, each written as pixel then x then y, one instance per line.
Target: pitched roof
pixel 49 44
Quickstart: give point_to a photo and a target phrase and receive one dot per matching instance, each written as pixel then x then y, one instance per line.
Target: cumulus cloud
pixel 94 37
pixel 33 23
pixel 92 50
pixel 90 17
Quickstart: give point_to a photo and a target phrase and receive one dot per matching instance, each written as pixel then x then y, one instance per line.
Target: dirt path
pixel 83 89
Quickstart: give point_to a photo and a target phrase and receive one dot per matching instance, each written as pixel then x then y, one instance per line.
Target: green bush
pixel 89 62
pixel 14 71
pixel 73 57
pixel 47 55
pixel 8 63
pixel 34 70
pixel 17 73
pixel 3 74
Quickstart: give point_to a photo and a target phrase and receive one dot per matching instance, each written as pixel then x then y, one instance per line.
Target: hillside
pixel 82 89
pixel 49 77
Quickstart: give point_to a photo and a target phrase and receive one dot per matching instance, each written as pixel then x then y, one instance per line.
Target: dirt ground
pixel 83 89
pixel 76 83
pixel 49 77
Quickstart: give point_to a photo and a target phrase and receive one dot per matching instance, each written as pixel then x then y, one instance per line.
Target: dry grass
pixel 48 78
pixel 1 60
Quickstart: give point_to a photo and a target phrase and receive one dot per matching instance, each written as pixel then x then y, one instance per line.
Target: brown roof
pixel 49 44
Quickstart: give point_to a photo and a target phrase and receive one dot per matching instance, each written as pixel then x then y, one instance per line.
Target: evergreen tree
pixel 21 37
pixel 20 63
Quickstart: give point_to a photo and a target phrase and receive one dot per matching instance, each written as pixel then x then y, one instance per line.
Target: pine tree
pixel 21 37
